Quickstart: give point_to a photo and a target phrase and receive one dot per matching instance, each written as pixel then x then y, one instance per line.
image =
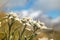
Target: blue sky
pixel 51 13
pixel 50 17
pixel 26 7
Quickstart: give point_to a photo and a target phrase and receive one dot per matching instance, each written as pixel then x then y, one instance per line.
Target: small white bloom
pixel 13 14
pixel 24 24
pixel 28 29
pixel 24 19
pixel 0 24
pixel 10 17
pixel 38 25
pixel 11 37
pixel 29 19
pixel 24 36
pixel 51 39
pixel 17 19
pixel 20 21
pixel 34 22
pixel 44 27
pixel 44 38
pixel 28 24
pixel 6 20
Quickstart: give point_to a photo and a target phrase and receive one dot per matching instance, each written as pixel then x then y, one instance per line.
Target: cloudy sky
pixel 47 11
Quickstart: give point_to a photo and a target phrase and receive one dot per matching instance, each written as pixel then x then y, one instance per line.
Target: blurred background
pixel 47 11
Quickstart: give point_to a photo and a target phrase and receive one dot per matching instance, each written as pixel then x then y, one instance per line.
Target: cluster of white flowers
pixel 28 21
pixel 12 15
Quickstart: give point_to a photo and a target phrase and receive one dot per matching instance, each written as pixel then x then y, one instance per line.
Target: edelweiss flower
pixel 10 17
pixel 11 37
pixel 28 24
pixel 24 20
pixel 34 22
pixel 17 19
pixel 28 29
pixel 44 27
pixel 13 14
pixel 28 19
pixel 20 20
pixel 44 38
pixel 38 25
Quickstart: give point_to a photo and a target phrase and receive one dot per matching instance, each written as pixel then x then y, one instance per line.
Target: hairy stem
pixel 22 32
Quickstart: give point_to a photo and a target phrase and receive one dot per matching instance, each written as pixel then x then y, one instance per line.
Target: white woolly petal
pixel 51 39
pixel 28 29
pixel 44 27
pixel 0 24
pixel 38 25
pixel 13 14
pixel 17 19
pixel 44 38
pixel 28 24
pixel 34 21
pixel 10 17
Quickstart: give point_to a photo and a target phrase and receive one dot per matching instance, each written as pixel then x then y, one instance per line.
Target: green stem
pixel 22 32
pixel 10 25
pixel 35 30
pixel 33 35
pixel 10 29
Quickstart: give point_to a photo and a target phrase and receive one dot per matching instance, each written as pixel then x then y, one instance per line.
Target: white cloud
pixel 35 14
pixel 37 5
pixel 38 15
pixel 13 3
pixel 56 20
pixel 55 23
pixel 25 13
pixel 46 4
pixel 29 13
